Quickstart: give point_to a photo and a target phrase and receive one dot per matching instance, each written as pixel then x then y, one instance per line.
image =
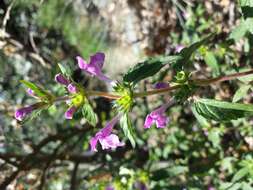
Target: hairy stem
pixel 198 82
pixel 206 82
pixel 157 91
pixel 103 94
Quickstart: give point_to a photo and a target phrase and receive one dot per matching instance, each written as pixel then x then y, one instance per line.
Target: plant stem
pixel 62 98
pixel 198 82
pixel 206 82
pixel 102 94
pixel 157 91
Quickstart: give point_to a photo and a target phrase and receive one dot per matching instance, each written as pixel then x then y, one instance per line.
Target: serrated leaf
pixel 241 92
pixel 126 125
pixel 148 68
pixel 89 114
pixel 240 174
pixel 202 121
pixel 37 90
pixel 221 110
pixel 211 61
pixel 187 52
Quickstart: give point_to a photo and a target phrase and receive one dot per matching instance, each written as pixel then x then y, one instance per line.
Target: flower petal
pixel 72 88
pixel 30 92
pixel 21 113
pixel 93 144
pixel 61 79
pixel 109 126
pixel 70 112
pixel 162 121
pixel 111 141
pixel 148 121
pixel 160 85
pixel 97 60
pixel 82 63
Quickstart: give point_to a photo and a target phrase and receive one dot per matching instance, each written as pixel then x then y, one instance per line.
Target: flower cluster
pixel 77 97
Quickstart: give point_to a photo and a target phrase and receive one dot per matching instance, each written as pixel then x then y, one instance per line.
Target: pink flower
pixel 61 79
pixel 158 116
pixel 105 138
pixel 94 67
pixel 70 112
pixel 21 113
pixel 179 48
pixel 30 92
pixel 72 88
pixel 160 85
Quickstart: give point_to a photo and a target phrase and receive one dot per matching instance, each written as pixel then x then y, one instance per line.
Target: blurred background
pixel 51 153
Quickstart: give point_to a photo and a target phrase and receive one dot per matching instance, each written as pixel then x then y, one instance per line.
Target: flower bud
pixel 61 79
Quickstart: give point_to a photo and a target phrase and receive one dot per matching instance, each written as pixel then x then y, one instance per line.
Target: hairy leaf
pixel 126 125
pixel 89 114
pixel 187 52
pixel 37 90
pixel 148 68
pixel 202 121
pixel 221 110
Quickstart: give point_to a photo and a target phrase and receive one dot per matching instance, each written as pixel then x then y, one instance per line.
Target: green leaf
pixel 240 174
pixel 247 8
pixel 211 61
pixel 37 90
pixel 214 137
pixel 148 68
pixel 126 125
pixel 187 52
pixel 168 172
pixel 241 92
pixel 242 29
pixel 221 110
pixel 65 69
pixel 89 114
pixel 239 31
pixel 202 121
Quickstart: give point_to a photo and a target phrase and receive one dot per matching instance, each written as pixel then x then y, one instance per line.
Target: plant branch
pixel 206 82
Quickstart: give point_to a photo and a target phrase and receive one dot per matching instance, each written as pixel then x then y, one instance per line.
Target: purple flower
pixel 61 79
pixel 94 68
pixel 104 136
pixel 70 112
pixel 140 185
pixel 21 113
pixel 179 48
pixel 109 187
pixel 30 92
pixel 160 85
pixel 158 116
pixel 72 88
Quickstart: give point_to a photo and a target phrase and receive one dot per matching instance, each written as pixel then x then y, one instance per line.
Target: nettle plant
pixel 182 89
